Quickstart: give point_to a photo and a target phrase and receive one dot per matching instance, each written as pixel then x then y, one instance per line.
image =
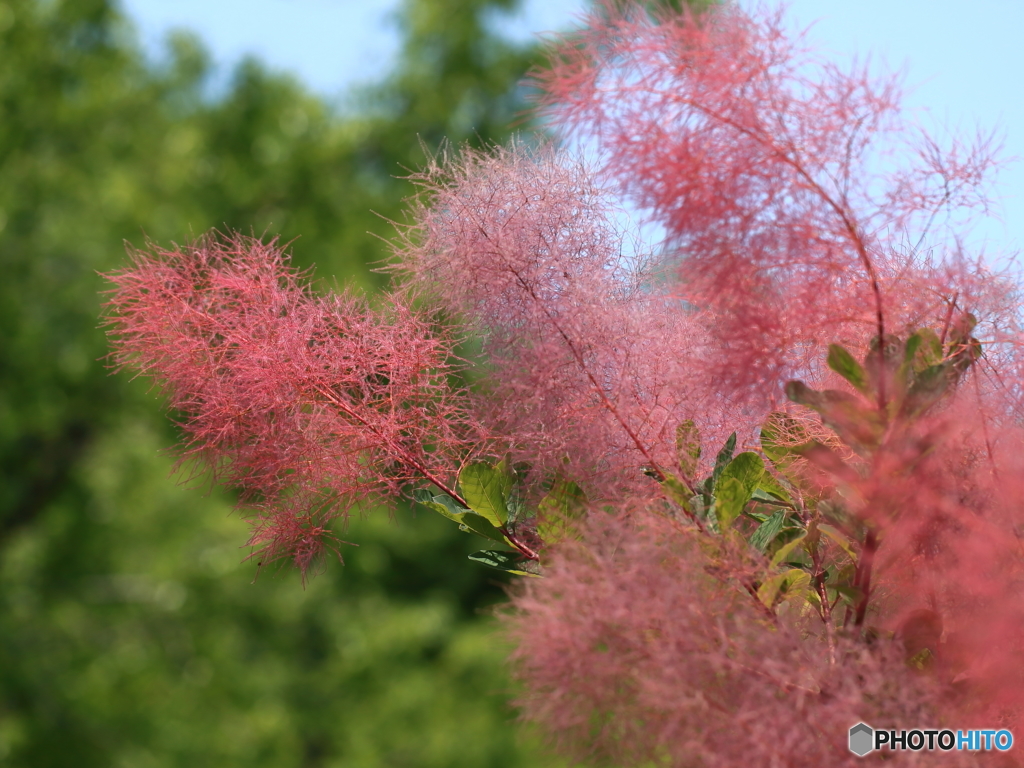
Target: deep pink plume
pixel 309 404
pixel 800 207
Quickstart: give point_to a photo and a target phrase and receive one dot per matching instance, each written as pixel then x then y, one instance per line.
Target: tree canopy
pixel 130 632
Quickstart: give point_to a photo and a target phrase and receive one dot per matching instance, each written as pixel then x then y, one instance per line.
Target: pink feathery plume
pixel 634 652
pixel 788 233
pixel 310 405
pixel 587 363
pixel 778 179
pixel 949 502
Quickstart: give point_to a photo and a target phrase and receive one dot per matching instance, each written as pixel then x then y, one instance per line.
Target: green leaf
pixel 834 534
pixel 697 506
pixel 910 348
pixel 786 550
pixel 442 503
pixel 468 520
pixel 843 363
pixel 929 386
pixel 905 372
pixel 747 467
pixel 737 482
pixel 485 489
pixel 516 505
pixel 675 490
pixel 723 458
pixel 509 562
pixel 850 594
pixel 775 437
pixel 768 530
pixel 515 501
pixel 859 426
pixel 688 448
pixel 730 498
pixel 474 523
pixel 833 512
pixel 770 485
pixel 560 511
pixel 924 349
pixel 794 583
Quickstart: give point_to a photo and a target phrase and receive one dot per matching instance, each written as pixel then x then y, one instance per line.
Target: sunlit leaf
pixel 833 533
pixel 924 349
pixel 794 583
pixel 782 439
pixel 675 490
pixel 736 484
pixel 786 550
pixel 485 489
pixel 772 486
pixel 442 503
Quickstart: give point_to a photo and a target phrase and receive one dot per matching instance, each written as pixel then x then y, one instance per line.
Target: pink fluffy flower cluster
pixel 310 405
pixel 858 560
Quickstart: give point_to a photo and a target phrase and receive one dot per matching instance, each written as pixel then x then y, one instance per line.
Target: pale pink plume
pixel 635 652
pixel 587 360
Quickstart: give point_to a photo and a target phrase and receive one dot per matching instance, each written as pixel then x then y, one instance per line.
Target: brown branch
pixel 826 607
pixel 862 577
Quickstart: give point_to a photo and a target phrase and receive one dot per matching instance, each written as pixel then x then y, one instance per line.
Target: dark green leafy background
pixel 131 634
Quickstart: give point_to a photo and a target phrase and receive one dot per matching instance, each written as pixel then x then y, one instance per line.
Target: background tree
pixel 129 632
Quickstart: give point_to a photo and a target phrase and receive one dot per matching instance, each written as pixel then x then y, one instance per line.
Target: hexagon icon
pixel 861 739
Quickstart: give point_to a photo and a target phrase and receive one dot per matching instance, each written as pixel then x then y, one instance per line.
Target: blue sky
pixel 964 62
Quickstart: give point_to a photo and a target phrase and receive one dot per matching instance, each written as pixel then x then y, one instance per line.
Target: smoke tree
pixel 761 480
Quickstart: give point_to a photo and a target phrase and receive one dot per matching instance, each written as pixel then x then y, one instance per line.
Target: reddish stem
pixel 839 209
pixel 862 578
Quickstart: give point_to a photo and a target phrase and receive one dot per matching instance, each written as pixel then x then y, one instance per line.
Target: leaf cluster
pixel 795 502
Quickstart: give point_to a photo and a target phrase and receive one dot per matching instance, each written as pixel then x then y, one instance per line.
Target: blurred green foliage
pixel 131 634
